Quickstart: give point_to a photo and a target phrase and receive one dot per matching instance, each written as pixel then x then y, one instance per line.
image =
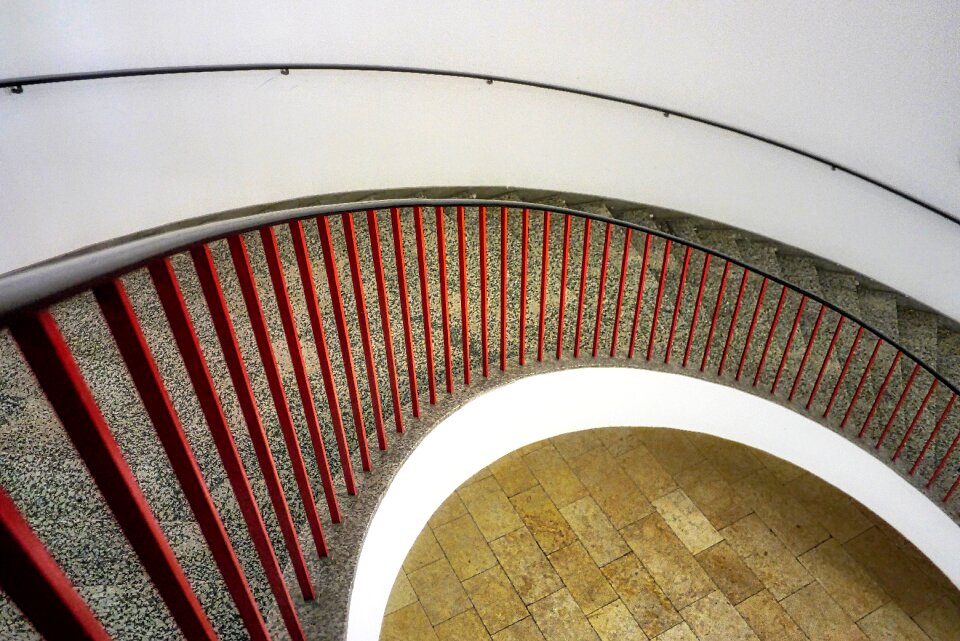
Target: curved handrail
pixel 16 85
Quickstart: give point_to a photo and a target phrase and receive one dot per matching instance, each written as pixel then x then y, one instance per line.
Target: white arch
pixel 545 405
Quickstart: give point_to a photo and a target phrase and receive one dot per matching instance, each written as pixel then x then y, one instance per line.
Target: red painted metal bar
pixel 584 262
pixel 843 371
pixel 896 408
pixel 944 460
pixel 916 417
pixel 35 583
pixel 524 241
pixel 752 328
pixel 953 488
pixel 343 335
pixel 444 301
pixel 786 349
pixel 563 284
pixel 47 353
pixel 933 434
pixel 879 395
pixel 639 304
pixel 292 337
pixel 656 309
pixel 464 301
pixel 175 309
pixel 405 307
pixel 677 304
pixel 484 336
pixel 621 289
pixel 425 302
pixel 696 308
pixel 826 359
pixel 716 314
pixel 806 352
pixel 601 289
pixel 544 268
pixel 773 328
pixel 863 379
pixel 503 289
pixel 227 337
pixel 733 321
pixel 377 253
pixel 360 300
pixel 126 331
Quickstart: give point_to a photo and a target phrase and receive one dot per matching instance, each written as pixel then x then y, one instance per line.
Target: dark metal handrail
pixel 16 85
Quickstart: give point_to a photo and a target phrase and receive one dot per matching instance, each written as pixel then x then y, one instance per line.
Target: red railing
pixel 916 434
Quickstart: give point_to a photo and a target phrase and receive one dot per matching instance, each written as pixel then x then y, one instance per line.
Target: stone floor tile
pixel 614 491
pixel 401 595
pixel 766 556
pixel 560 619
pixel 513 475
pixel 425 551
pixel 406 624
pixel 465 547
pixel 450 509
pixel 819 616
pixel 835 511
pixel 615 623
pixel 594 530
pixel 643 597
pixel 533 447
pixel 543 519
pixel 555 476
pixel 890 623
pixel 668 561
pixel 573 444
pixel 439 591
pixel 783 471
pixel 713 618
pixel 582 577
pixel 496 601
pixel 463 627
pixel 792 524
pixel 941 621
pixel 732 460
pixel 680 632
pixel 641 466
pixel 525 565
pixel 672 449
pixel 525 630
pixel 611 435
pixel 710 492
pixel 844 579
pixel 482 474
pixel 769 620
pixel 491 509
pixel 593 466
pixel 687 521
pixel 729 572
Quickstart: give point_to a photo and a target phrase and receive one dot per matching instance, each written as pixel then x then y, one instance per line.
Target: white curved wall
pixel 545 405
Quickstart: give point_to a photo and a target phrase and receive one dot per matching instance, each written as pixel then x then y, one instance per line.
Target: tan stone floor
pixel 634 533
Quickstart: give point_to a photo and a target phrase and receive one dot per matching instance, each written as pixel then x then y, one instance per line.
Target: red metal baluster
pixel 733 321
pixel 583 286
pixel 340 320
pixel 600 291
pixel 525 239
pixel 366 341
pixel 484 337
pixel 36 584
pixel 656 309
pixel 943 461
pixel 696 308
pixel 503 289
pixel 916 417
pixel 786 349
pixel 444 301
pixel 826 359
pixel 716 314
pixel 753 326
pixel 175 309
pixel 377 254
pixel 806 352
pixel 563 284
pixel 953 488
pixel 773 328
pixel 677 304
pixel 464 303
pixel 544 265
pixel 843 371
pixel 405 308
pixel 896 408
pixel 639 303
pixel 863 379
pixel 272 255
pixel 933 434
pixel 621 288
pixel 879 394
pixel 425 302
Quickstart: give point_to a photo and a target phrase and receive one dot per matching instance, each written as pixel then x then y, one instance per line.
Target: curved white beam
pixel 545 405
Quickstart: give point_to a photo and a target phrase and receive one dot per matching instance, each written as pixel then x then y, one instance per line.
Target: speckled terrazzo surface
pixel 40 470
